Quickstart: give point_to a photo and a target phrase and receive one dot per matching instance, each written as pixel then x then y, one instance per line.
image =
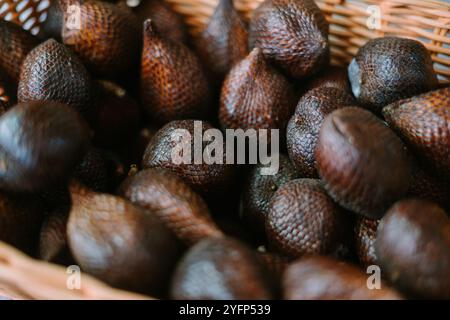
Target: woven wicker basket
pixel 425 20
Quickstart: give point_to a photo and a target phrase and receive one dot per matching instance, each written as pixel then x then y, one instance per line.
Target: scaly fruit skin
pixel 364 165
pixel 107 38
pixel 164 194
pixel 331 77
pixel 255 96
pixel 366 233
pixel 259 190
pixel 15 44
pixel 173 84
pixel 389 69
pixel 20 220
pixel 323 278
pixel 207 179
pixel 303 219
pixel 424 124
pixel 52 72
pixel 413 248
pixel 220 269
pixel 294 34
pixel 40 145
pixel 304 127
pixel 224 41
pixel 120 243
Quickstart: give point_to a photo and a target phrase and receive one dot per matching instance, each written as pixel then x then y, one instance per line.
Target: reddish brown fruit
pixel 120 243
pixel 331 77
pixel 366 233
pixel 224 40
pixel 220 269
pixel 322 278
pixel 20 221
pixel 363 163
pixel 15 44
pixel 294 34
pixel 424 124
pixel 173 84
pixel 107 38
pixel 117 118
pixel 255 96
pixel 40 145
pixel 51 72
pixel 413 248
pixel 304 127
pixel 388 69
pixel 164 194
pixel 259 190
pixel 303 219
pixel 207 179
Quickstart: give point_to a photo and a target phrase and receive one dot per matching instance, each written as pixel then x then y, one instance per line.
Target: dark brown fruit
pixel 207 179
pixel 107 38
pixel 220 269
pixel 117 118
pixel 120 243
pixel 292 33
pixel 53 245
pixel 224 41
pixel 427 186
pixel 170 24
pixel 259 190
pixel 365 166
pixel 164 194
pixel 389 69
pixel 303 219
pixel 424 124
pixel 331 77
pixel 92 171
pixel 323 278
pixel 51 72
pixel 413 248
pixel 40 145
pixel 255 96
pixel 366 233
pixel 20 220
pixel 304 127
pixel 15 43
pixel 173 84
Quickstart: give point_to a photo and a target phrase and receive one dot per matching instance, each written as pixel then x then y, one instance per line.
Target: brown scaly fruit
pixel 294 34
pixel 40 145
pixel 389 69
pixel 220 269
pixel 424 124
pixel 173 83
pixel 107 38
pixel 15 44
pixel 413 248
pixel 324 278
pixel 117 115
pixel 364 165
pixel 304 127
pixel 331 77
pixel 366 233
pixel 20 220
pixel 207 179
pixel 255 96
pixel 303 219
pixel 170 24
pixel 259 190
pixel 120 243
pixel 224 40
pixel 52 72
pixel 162 193
pixel 53 245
